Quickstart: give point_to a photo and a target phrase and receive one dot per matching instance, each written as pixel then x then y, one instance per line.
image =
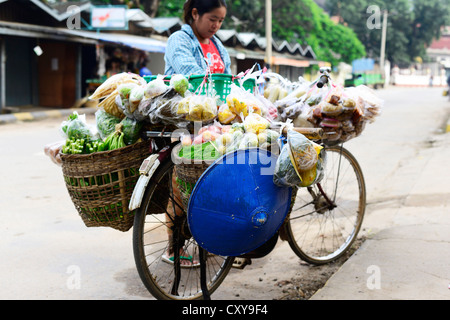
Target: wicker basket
pixel 100 184
pixel 188 173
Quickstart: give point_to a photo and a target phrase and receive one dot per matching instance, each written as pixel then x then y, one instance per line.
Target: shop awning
pixel 137 42
pixel 290 62
pixel 81 36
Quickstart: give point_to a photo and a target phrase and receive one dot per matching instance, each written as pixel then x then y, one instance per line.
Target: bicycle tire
pixel 317 232
pixel 157 275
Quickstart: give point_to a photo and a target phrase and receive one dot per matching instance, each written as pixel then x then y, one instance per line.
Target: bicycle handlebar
pixel 322 81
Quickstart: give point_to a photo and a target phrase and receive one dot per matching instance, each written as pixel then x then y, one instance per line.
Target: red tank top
pixel 212 55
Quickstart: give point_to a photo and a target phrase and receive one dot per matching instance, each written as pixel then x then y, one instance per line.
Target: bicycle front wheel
pixel 160 228
pixel 325 218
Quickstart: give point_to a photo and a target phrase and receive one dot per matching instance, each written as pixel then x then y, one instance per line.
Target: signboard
pixel 109 17
pixel 362 65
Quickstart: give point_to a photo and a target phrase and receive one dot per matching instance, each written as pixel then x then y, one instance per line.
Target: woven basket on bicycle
pixel 100 184
pixel 188 172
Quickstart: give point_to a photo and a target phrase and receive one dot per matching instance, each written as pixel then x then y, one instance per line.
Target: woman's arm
pixel 180 57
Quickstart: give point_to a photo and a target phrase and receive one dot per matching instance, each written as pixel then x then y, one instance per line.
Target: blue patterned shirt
pixel 184 54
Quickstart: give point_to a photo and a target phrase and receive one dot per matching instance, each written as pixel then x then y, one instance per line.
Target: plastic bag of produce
pixel 183 105
pixel 202 108
pixel 302 149
pixel 180 83
pixel 53 150
pixel 136 95
pixel 155 88
pixel 248 140
pixel 76 127
pixel 284 174
pixel 131 130
pixel 255 123
pixel 167 112
pixel 225 115
pixel 105 122
pixel 111 84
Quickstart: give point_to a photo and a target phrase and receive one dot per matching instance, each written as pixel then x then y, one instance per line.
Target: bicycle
pixel 322 223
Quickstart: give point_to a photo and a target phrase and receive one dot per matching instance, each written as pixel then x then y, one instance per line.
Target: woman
pixel 189 49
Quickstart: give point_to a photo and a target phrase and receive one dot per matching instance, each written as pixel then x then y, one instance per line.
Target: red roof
pixel 442 43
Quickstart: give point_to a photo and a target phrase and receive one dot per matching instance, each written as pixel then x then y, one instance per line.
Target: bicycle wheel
pixel 157 231
pixel 326 217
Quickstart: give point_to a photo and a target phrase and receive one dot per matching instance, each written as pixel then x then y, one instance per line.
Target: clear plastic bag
pixel 287 172
pixel 76 127
pixel 225 115
pixel 302 151
pixel 284 174
pixel 136 95
pixel 111 84
pixel 105 122
pixel 242 103
pixel 53 150
pixel 255 123
pixel 131 130
pixel 155 87
pixel 202 108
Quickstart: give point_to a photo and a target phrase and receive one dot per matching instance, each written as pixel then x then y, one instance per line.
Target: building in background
pixel 48 60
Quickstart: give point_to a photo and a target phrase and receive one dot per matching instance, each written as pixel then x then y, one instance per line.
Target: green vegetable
pixel 204 151
pixel 65 124
pixel 115 139
pixel 82 146
pixel 106 123
pixel 180 83
pixel 238 126
pixel 125 89
pixel 77 129
pixel 131 130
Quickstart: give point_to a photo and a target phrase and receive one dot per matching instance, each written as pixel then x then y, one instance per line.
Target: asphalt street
pixel 48 253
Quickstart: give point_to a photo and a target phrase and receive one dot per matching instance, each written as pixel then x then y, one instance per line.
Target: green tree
pixel 412 25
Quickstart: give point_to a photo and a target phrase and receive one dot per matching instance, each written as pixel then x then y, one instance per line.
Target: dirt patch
pixel 304 287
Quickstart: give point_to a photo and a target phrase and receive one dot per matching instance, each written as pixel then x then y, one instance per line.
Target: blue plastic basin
pixel 235 207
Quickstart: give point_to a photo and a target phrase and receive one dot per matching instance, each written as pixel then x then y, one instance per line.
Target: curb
pixel 39 115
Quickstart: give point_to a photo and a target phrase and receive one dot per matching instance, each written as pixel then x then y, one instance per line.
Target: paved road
pixel 48 253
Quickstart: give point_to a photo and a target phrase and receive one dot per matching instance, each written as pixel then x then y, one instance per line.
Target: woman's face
pixel 208 24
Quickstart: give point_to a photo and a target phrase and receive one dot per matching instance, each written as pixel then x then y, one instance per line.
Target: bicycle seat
pixel 235 207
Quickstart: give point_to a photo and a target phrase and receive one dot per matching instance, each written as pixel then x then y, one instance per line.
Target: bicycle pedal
pixel 241 263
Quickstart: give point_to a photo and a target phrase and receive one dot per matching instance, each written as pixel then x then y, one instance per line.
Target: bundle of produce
pixel 253 132
pixel 279 88
pixel 109 133
pixel 341 112
pixel 111 84
pixel 108 91
pixel 197 108
pixel 301 162
pixel 101 168
pixel 80 137
pixel 105 122
pixel 240 103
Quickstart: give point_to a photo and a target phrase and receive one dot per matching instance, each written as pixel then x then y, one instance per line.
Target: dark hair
pixel 202 6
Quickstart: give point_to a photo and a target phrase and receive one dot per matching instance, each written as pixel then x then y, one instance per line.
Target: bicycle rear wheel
pixel 158 230
pixel 325 218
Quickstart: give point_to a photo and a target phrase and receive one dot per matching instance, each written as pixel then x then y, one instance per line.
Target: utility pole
pixel 269 33
pixel 383 42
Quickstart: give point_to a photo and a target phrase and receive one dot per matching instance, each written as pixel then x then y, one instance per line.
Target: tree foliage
pixel 412 25
pixel 300 21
